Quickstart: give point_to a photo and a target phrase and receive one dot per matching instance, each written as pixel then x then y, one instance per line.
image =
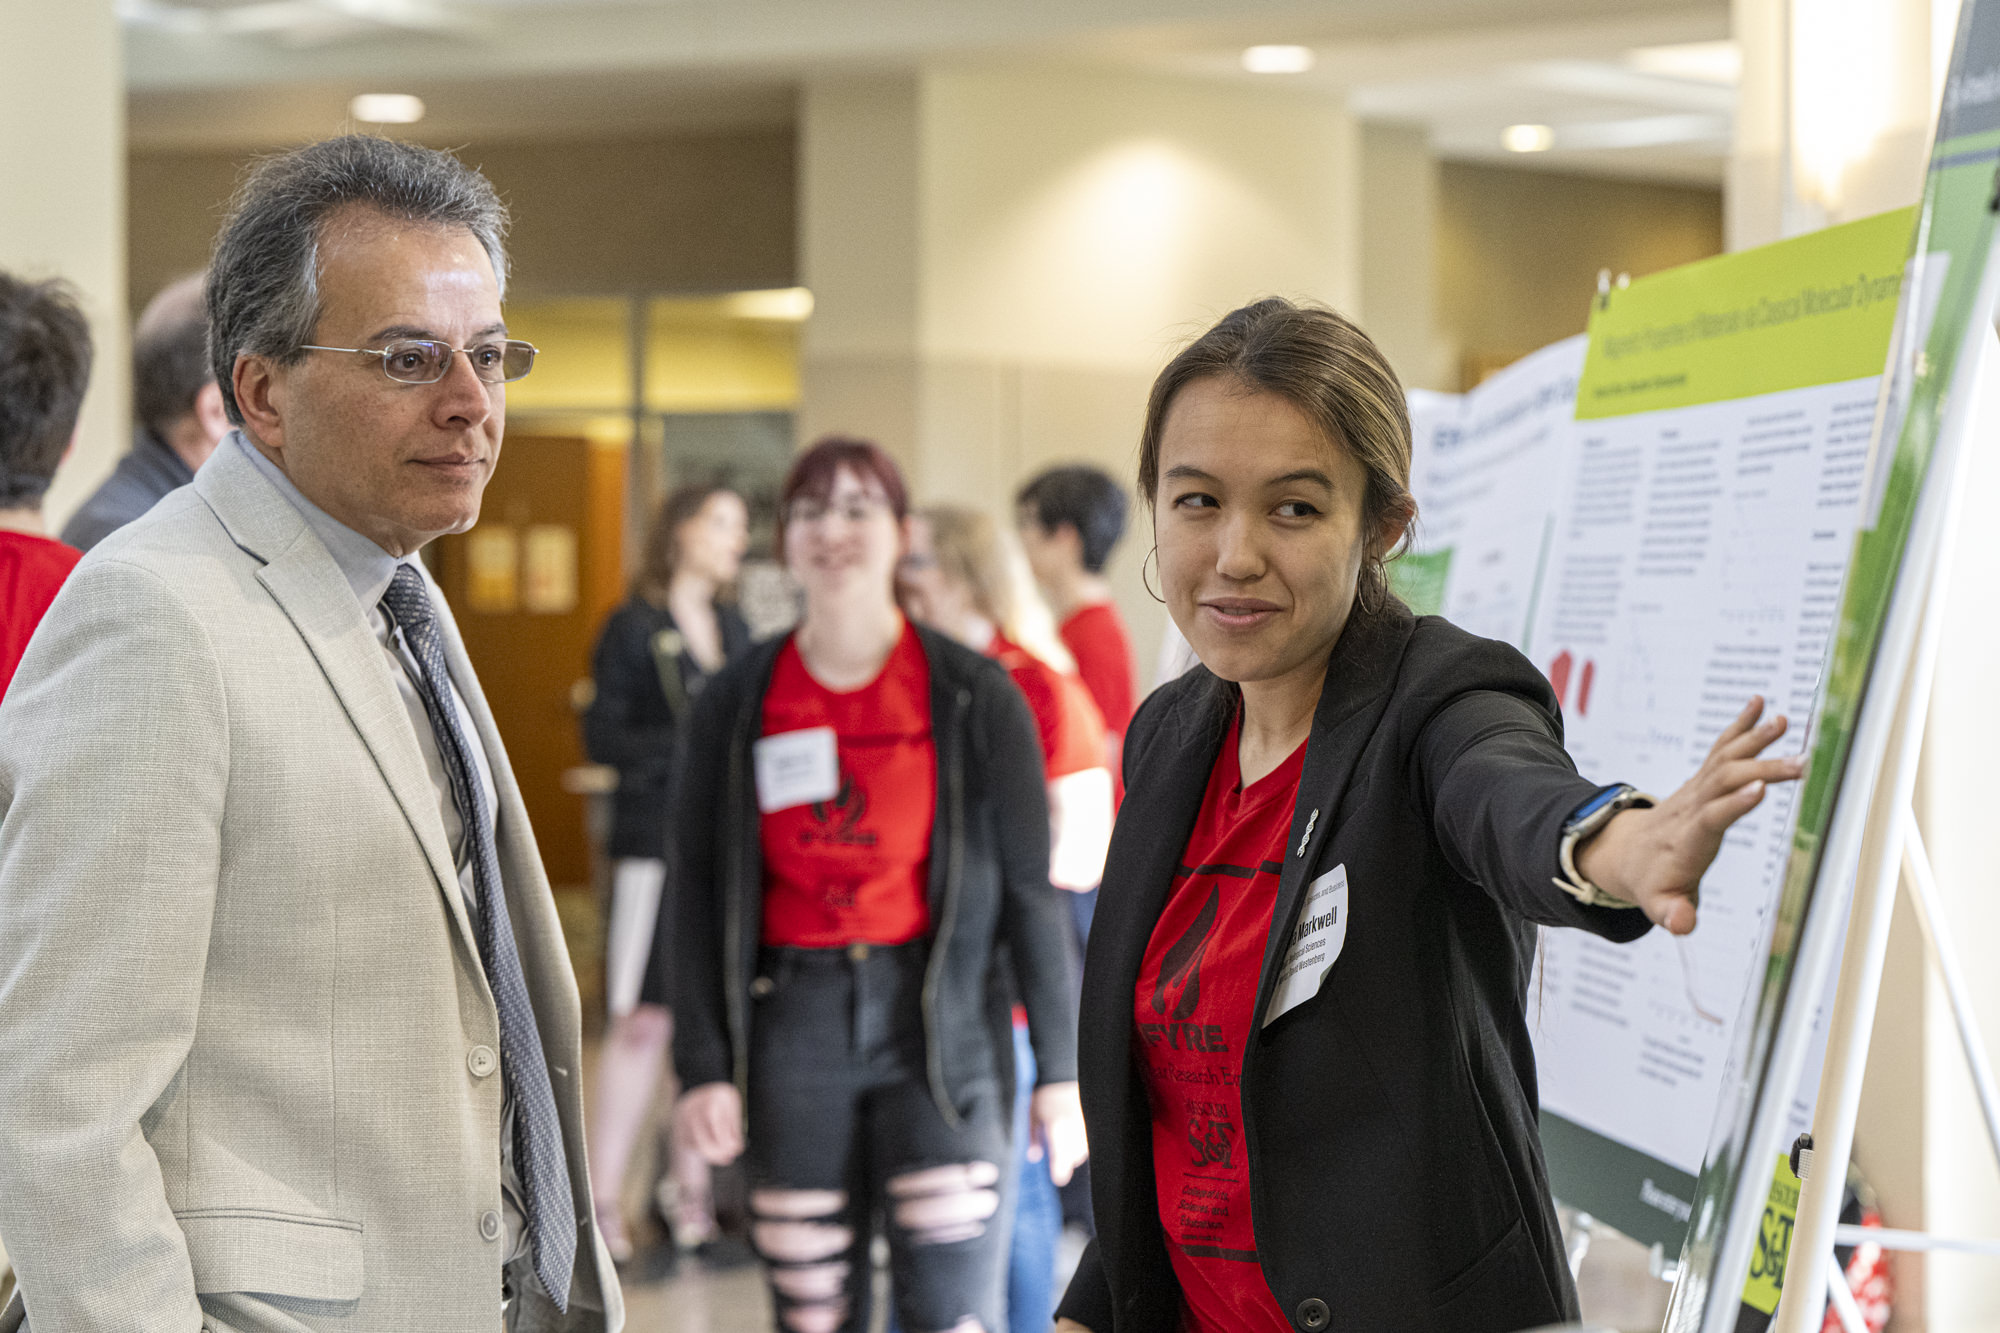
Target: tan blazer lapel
pixel 303 579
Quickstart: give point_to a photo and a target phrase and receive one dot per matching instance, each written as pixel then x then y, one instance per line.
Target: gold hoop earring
pixel 1152 558
pixel 1377 578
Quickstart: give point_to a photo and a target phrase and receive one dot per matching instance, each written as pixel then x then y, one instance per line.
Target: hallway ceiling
pixel 238 73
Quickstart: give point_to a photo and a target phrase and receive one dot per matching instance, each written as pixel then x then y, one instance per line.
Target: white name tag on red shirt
pixel 796 768
pixel 1316 941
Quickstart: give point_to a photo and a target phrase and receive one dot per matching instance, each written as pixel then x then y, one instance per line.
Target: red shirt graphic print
pixel 855 868
pixel 1193 1010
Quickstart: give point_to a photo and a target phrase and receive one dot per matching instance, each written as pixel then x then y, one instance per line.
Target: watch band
pixel 1586 820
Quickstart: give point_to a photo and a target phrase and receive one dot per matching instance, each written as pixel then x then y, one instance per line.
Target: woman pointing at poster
pixel 1305 1056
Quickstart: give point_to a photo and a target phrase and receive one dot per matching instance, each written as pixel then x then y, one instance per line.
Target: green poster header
pixel 1817 309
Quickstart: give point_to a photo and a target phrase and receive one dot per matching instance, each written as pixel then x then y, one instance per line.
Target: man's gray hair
pixel 263 282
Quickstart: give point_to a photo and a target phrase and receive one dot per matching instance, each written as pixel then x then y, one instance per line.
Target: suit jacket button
pixel 761 987
pixel 1312 1313
pixel 481 1061
pixel 489 1227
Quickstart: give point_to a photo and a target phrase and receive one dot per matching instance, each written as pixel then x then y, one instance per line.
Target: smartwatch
pixel 1586 820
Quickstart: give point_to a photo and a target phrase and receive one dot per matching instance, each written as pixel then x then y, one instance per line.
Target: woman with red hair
pixel 863 824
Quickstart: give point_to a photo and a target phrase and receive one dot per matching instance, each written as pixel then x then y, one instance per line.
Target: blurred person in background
pixel 45 358
pixel 964 577
pixel 1070 519
pixel 863 823
pixel 178 414
pixel 656 653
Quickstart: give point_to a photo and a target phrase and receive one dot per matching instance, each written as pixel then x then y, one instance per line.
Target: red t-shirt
pixel 1197 988
pixel 1066 717
pixel 1096 638
pixel 32 569
pixel 856 868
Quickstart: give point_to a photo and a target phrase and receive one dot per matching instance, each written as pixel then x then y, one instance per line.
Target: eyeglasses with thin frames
pixel 425 360
pixel 853 509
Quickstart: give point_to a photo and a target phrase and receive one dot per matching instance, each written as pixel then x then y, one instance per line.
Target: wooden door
pixel 530 585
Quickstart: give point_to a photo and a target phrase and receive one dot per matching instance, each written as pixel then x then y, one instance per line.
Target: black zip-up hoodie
pixel 989 879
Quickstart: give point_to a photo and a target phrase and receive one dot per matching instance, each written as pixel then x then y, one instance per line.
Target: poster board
pixel 1947 305
pixel 1488 469
pixel 1659 516
pixel 1723 424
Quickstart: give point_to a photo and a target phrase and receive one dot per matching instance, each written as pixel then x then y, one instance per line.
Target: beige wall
pixel 1093 219
pixel 1003 258
pixel 62 147
pixel 857 227
pixel 1866 81
pixel 1399 217
pixel 698 212
pixel 1518 252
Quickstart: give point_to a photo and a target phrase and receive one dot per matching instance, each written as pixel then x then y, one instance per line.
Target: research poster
pixel 1660 517
pixel 1487 468
pixel 1721 455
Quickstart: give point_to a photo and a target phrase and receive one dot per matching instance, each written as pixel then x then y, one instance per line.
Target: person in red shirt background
pixel 862 826
pixel 44 367
pixel 1070 519
pixel 963 578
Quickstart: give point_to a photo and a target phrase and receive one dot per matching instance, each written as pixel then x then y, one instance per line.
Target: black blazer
pixel 632 722
pixel 1390 1121
pixel 989 881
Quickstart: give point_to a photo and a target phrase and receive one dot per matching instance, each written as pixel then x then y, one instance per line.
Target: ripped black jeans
pixel 843 1129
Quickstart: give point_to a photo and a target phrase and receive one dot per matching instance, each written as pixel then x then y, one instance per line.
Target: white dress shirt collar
pixel 367 567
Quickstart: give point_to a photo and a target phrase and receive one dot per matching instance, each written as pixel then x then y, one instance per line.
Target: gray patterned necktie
pixel 538 1146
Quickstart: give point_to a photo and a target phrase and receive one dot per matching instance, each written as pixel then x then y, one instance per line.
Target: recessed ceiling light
pixel 1278 59
pixel 1699 62
pixel 1527 138
pixel 387 108
pixel 787 304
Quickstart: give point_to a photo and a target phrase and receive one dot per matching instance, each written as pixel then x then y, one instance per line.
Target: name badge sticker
pixel 796 768
pixel 1317 940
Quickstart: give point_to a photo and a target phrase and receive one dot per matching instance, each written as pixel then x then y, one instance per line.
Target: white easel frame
pixel 1865 830
pixel 1892 853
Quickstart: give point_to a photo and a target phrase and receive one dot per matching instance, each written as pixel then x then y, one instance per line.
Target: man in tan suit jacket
pixel 288 1035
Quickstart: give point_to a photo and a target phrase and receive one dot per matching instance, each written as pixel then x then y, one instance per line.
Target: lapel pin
pixel 1306 837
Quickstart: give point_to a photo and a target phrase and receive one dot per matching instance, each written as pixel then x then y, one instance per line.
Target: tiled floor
pixel 694 1301
pixel 1617 1288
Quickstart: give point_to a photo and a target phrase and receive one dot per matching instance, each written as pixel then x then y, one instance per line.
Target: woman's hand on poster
pixel 711 1116
pixel 1055 1119
pixel 1656 857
